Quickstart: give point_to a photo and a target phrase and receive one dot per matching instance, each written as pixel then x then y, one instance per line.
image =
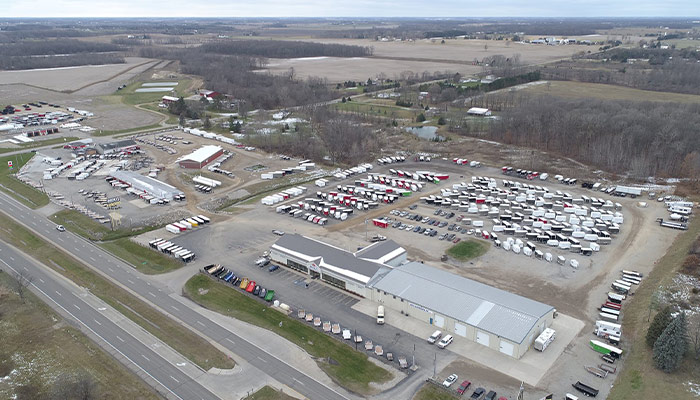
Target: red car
pixel 463 387
pixel 250 287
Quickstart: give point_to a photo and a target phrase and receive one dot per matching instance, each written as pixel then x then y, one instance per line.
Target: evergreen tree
pixel 660 322
pixel 441 121
pixel 420 117
pixel 181 119
pixel 207 122
pixel 671 346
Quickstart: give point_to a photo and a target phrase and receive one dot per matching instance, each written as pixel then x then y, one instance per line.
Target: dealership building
pixel 462 307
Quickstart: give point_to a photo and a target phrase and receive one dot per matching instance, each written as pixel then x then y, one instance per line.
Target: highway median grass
pixel 269 393
pixel 37 346
pixel 349 368
pixel 639 379
pixel 20 191
pixel 180 338
pixel 468 249
pixel 118 243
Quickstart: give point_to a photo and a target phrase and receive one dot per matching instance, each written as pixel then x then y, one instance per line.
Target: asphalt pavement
pixel 174 383
pixel 125 274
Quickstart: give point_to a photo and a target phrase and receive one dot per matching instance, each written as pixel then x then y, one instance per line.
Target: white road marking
pixel 231 341
pixel 93 259
pixel 175 308
pixel 130 281
pixel 145 357
pixel 58 293
pixel 171 377
pixel 76 306
pixel 25 268
pixel 12 258
pixel 110 269
pixel 41 280
pixel 261 360
pixel 122 340
pixel 98 322
pixel 200 323
pixel 102 308
pixel 152 294
pixel 300 382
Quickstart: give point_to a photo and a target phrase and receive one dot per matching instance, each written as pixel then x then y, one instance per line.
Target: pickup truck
pixel 478 394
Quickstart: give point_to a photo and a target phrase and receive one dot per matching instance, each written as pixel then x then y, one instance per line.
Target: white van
pixel 434 337
pixel 380 315
pixel 445 341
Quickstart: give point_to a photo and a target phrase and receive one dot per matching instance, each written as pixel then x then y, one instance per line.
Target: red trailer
pixel 380 223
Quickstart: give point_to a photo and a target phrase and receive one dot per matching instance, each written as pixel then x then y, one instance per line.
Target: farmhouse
pixel 497 319
pixel 169 99
pixel 200 157
pixel 335 266
pixel 483 112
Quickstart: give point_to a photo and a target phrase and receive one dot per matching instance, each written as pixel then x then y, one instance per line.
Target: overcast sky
pixel 352 8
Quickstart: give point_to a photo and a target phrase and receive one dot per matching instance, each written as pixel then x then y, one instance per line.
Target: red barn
pixel 200 157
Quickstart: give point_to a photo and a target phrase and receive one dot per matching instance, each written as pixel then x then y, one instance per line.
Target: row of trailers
pixel 187 224
pixel 172 249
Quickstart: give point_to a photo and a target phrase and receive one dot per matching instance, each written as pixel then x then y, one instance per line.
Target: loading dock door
pixel 439 321
pixel 482 338
pixel 506 348
pixel 460 330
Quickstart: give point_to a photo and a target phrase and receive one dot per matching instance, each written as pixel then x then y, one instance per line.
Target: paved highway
pixel 175 381
pixel 127 276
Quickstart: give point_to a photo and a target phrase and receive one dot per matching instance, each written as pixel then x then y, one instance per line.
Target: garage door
pixel 460 329
pixel 506 348
pixel 482 338
pixel 439 321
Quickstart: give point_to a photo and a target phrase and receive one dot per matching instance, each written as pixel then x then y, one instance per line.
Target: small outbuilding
pixel 482 112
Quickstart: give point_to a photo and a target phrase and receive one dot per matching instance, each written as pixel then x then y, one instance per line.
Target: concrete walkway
pixel 529 369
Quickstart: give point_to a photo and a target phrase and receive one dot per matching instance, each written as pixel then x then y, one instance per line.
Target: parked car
pixel 463 387
pixel 273 268
pixel 60 228
pixel 256 290
pixel 435 337
pixel 478 394
pixel 251 287
pixel 244 283
pixel 278 232
pixel 445 341
pixel 262 293
pixel 450 380
pixel 491 395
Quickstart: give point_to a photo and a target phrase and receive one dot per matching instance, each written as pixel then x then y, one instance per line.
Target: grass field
pixel 25 194
pixel 269 393
pixel 261 189
pixel 468 249
pixel 639 379
pixel 118 243
pixel 124 131
pixel 350 368
pixel 576 90
pixel 377 110
pixel 38 348
pixel 430 392
pixel 186 342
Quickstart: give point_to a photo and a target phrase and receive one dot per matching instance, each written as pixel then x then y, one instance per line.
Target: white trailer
pixel 546 337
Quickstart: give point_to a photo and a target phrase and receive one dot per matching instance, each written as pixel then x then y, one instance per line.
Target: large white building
pixel 462 307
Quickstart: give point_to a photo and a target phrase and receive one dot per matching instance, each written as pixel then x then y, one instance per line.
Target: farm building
pixel 145 185
pixel 210 94
pixel 503 321
pixel 482 112
pixel 335 266
pixel 115 147
pixel 169 99
pixel 200 157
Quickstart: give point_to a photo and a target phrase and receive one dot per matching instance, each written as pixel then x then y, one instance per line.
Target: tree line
pixel 29 62
pixel 639 138
pixel 284 49
pixel 51 47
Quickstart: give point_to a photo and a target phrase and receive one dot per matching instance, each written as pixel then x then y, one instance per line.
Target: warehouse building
pixel 145 185
pixel 200 157
pixel 500 320
pixel 333 265
pixel 482 112
pixel 115 147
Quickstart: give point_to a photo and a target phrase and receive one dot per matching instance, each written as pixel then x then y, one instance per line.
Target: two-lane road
pixel 127 276
pixel 174 382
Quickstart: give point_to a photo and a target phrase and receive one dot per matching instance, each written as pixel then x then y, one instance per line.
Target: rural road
pixel 62 297
pixel 126 276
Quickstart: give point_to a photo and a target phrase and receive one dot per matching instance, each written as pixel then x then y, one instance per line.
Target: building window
pixel 394 297
pixel 333 281
pixel 299 267
pixel 402 300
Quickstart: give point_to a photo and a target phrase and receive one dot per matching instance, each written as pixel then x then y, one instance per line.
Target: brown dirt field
pixel 576 90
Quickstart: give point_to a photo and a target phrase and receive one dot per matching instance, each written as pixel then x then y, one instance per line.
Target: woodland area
pixel 284 49
pixel 33 62
pixel 639 138
pixel 31 54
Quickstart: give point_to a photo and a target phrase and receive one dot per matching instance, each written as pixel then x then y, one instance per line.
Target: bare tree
pixel 694 334
pixel 22 281
pixel 80 386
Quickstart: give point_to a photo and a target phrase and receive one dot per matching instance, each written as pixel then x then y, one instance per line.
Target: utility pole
pixel 354 339
pixel 435 366
pixel 413 365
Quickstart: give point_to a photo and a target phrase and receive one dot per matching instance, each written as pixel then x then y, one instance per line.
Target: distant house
pixel 210 94
pixel 169 99
pixel 482 112
pixel 489 79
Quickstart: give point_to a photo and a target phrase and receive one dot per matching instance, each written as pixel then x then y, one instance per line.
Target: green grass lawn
pixel 376 110
pixel 468 249
pixel 269 393
pixel 350 368
pixel 39 348
pixel 430 392
pixel 638 378
pixel 25 194
pixel 117 242
pixel 129 130
pixel 180 338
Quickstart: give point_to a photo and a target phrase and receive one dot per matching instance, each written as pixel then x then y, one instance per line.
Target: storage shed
pixel 501 320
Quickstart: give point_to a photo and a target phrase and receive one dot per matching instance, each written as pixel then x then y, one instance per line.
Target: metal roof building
pixel 146 185
pixel 463 307
pixel 385 252
pixel 200 157
pixel 332 264
pixel 112 147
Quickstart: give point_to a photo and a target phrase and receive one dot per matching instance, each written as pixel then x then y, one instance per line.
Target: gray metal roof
pixel 485 307
pixel 118 144
pixel 377 250
pixel 153 186
pixel 331 255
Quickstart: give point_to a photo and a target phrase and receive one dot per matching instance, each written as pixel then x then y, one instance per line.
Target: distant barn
pixel 482 112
